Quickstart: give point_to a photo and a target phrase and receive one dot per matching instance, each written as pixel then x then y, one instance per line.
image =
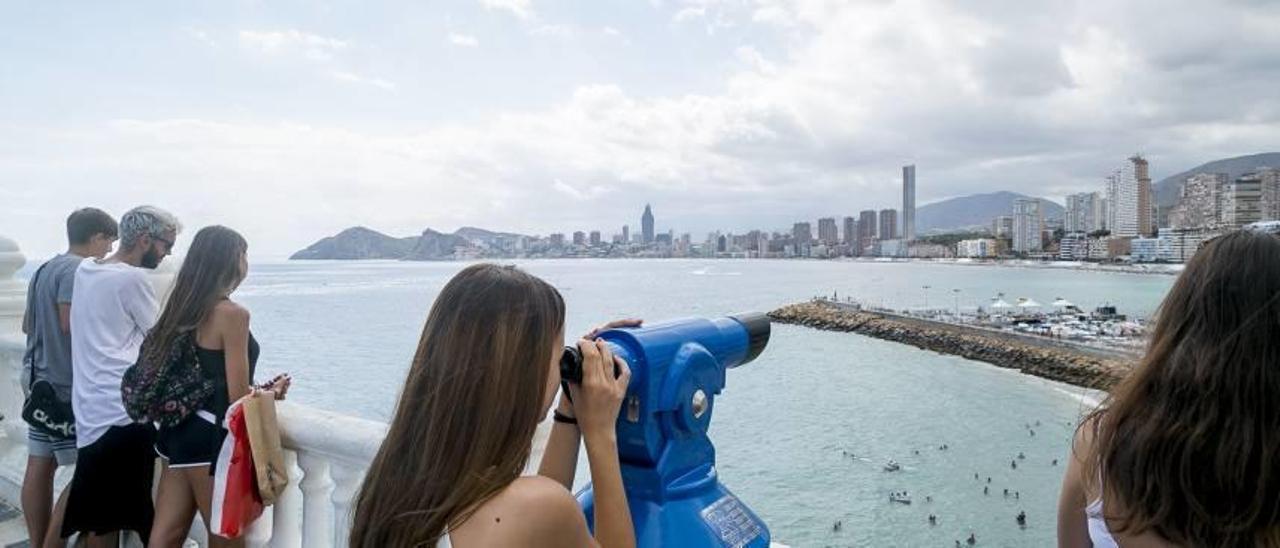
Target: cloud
pixel 312 46
pixel 363 80
pixel 810 112
pixel 522 9
pixel 463 40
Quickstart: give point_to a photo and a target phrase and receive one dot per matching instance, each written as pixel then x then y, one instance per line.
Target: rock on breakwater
pixel 1058 363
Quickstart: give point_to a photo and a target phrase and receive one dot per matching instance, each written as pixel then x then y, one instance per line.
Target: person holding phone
pixel 200 306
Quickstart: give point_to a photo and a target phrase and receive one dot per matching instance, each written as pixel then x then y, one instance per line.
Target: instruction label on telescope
pixel 731 521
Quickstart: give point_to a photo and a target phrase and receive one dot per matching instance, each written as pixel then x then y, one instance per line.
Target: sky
pixel 292 120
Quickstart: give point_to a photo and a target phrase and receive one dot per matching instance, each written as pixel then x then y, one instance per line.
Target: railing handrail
pixel 334 435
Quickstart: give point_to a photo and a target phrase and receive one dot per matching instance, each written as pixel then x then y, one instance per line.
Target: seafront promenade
pixel 1072 363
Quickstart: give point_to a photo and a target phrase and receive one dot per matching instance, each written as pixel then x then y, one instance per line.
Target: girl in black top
pixel 200 304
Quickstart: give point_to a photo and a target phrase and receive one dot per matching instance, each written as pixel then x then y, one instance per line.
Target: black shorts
pixel 111 488
pixel 193 442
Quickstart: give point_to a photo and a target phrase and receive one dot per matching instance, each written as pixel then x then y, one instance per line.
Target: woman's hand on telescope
pixel 626 322
pixel 597 400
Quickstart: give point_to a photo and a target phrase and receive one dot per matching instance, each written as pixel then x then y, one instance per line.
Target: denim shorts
pixel 40 444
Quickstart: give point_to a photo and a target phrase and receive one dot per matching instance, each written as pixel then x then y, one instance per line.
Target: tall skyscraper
pixel 850 231
pixel 1002 226
pixel 828 233
pixel 802 233
pixel 1270 179
pixel 1243 201
pixel 909 202
pixel 595 238
pixel 646 225
pixel 866 229
pixel 579 238
pixel 1200 202
pixel 1129 200
pixel 888 224
pixel 1028 223
pixel 626 234
pixel 1082 210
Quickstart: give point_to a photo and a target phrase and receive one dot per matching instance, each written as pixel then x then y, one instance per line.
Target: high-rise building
pixel 595 238
pixel 1200 202
pixel 802 233
pixel 1242 203
pixel 1002 226
pixel 626 234
pixel 646 225
pixel 850 231
pixel 1146 197
pixel 1028 223
pixel 1129 200
pixel 1082 211
pixel 866 229
pixel 888 224
pixel 557 239
pixel 909 202
pixel 1270 178
pixel 579 238
pixel 828 232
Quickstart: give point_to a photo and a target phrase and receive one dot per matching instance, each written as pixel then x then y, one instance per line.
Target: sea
pixel 802 434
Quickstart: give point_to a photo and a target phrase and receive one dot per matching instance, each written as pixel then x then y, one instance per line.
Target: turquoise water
pixel 347 331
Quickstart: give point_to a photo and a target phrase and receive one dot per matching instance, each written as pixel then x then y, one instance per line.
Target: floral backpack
pixel 166 393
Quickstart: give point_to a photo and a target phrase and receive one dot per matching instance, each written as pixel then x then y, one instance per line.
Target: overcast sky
pixel 292 120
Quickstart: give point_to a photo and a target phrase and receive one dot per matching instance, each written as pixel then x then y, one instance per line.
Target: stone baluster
pixel 286 531
pixel 13 298
pixel 317 506
pixel 346 478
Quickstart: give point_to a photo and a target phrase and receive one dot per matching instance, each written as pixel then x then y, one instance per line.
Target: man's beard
pixel 151 259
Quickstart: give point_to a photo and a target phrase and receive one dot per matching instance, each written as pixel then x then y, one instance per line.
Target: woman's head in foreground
pixel 1188 445
pixel 484 375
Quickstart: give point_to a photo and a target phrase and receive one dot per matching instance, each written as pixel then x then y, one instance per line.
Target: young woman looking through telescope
pixel 484 375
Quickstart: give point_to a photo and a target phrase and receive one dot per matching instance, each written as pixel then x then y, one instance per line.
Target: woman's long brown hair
pixel 466 417
pixel 209 272
pixel 1188 445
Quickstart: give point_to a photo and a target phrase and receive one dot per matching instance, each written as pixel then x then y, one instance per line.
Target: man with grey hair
pixel 115 306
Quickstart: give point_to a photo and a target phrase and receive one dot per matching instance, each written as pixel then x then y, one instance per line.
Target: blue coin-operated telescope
pixel 668 462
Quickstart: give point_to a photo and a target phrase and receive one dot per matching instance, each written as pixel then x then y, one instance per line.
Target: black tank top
pixel 214 365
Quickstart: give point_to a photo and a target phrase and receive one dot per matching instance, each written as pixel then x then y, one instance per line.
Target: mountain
pixel 974 211
pixel 436 246
pixel 1168 188
pixel 357 243
pixel 362 243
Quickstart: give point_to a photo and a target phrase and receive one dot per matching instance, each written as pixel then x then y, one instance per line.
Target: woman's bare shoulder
pixel 532 511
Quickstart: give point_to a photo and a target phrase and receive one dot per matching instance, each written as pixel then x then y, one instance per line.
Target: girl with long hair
pixel 484 375
pixel 200 306
pixel 1186 450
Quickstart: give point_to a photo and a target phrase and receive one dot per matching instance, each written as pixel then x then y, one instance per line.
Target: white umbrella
pixel 1000 303
pixel 1028 303
pixel 1061 302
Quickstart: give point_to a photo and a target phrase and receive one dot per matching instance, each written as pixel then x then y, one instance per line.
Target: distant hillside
pixel 1167 189
pixel 357 243
pixel 974 211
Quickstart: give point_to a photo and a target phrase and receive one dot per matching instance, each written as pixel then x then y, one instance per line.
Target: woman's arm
pixel 560 457
pixel 233 326
pixel 1073 525
pixel 597 402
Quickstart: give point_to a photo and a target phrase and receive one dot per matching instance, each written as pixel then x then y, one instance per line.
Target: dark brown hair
pixel 209 272
pixel 83 223
pixel 1188 445
pixel 466 417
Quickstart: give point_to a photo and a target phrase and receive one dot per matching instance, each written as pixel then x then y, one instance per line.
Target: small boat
pixel 892 466
pixel 899 498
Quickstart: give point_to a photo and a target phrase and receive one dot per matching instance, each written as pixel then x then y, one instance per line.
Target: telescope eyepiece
pixel 571 366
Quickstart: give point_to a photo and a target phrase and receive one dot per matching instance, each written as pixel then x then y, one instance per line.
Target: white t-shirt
pixel 114 308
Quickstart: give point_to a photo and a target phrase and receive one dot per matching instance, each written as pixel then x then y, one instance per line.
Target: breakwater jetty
pixel 1080 365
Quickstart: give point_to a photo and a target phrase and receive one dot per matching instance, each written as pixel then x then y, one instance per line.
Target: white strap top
pixel 1098 532
pixel 444 542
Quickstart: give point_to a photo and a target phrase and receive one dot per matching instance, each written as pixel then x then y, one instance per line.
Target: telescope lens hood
pixel 758 326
